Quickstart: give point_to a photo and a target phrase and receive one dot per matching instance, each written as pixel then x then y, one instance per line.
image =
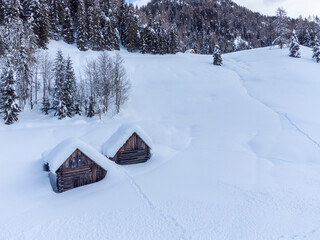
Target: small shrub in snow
pixel 217 59
pixel 294 47
pixel 45 105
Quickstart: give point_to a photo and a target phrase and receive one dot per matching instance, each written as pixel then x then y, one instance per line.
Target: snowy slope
pixel 235 155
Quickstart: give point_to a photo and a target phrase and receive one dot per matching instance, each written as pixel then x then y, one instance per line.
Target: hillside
pixel 235 154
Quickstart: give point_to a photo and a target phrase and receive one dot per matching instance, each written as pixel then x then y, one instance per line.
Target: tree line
pixel 160 27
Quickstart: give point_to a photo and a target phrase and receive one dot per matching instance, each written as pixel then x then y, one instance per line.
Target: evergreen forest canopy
pixel 160 27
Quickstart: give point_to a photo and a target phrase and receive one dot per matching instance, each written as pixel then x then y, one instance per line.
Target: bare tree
pixel 106 75
pixel 281 28
pixel 120 82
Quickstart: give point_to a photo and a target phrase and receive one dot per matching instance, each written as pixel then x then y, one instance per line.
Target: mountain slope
pixel 235 155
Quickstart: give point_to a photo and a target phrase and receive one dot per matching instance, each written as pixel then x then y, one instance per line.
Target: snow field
pixel 235 154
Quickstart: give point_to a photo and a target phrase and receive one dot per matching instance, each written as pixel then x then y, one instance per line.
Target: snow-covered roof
pixel 119 138
pixel 59 154
pixel 190 51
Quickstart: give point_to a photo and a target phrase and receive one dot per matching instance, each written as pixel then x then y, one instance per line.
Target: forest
pixel 29 78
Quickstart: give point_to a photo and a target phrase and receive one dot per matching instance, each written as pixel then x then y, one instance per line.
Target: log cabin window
pixel 82 161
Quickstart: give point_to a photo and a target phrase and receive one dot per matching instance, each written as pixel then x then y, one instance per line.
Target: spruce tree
pixel 307 39
pixel 8 101
pixel 69 87
pixel 54 32
pixel 36 13
pixel 316 50
pixel 217 59
pixel 173 41
pixel 90 111
pixel 131 30
pixel 77 109
pixel 143 48
pixel 163 41
pixel 294 47
pixel 59 103
pixel 82 30
pixel 108 32
pixel 95 35
pixel 45 105
pixel 67 27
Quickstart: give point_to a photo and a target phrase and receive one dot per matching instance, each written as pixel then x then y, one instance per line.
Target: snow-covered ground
pixel 236 155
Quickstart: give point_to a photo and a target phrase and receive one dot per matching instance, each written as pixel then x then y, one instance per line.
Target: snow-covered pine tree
pixel 217 59
pixel 316 50
pixel 106 31
pixel 294 48
pixel 153 40
pixel 82 30
pixel 69 87
pixel 113 15
pixel 307 39
pixel 163 41
pixel 8 102
pixel 173 41
pixel 25 61
pixel 131 30
pixel 36 13
pixel 59 103
pixel 54 30
pixel 45 105
pixel 143 48
pixel 95 35
pixel 90 111
pixel 67 27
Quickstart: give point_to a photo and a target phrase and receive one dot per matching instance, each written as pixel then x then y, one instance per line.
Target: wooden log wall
pixel 135 150
pixel 78 170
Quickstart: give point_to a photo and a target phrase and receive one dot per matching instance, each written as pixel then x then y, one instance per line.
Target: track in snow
pixel 280 114
pixel 168 218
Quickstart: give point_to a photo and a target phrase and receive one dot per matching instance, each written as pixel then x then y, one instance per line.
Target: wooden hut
pixel 73 163
pixel 129 145
pixel 190 51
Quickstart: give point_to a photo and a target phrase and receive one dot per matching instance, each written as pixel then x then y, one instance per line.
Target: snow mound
pixel 59 154
pixel 119 138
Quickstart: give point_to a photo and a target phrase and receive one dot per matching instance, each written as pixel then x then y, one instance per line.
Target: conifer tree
pixel 316 50
pixel 131 30
pixel 163 41
pixel 69 87
pixel 77 108
pixel 59 103
pixel 82 30
pixel 173 41
pixel 95 35
pixel 307 39
pixel 25 60
pixel 143 48
pixel 54 32
pixel 294 47
pixel 67 27
pixel 217 59
pixel 8 101
pixel 36 13
pixel 90 111
pixel 45 105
